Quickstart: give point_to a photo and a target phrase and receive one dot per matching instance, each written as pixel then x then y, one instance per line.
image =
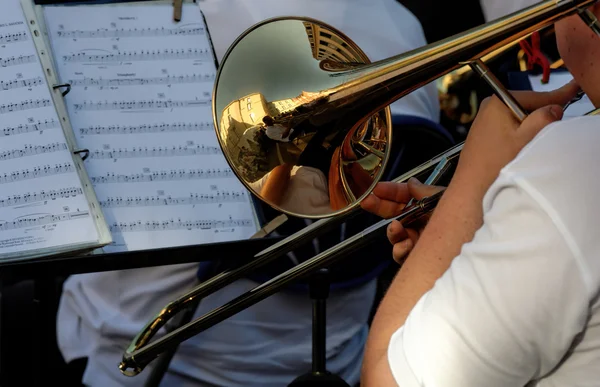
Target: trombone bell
pixel 303 117
pixel 285 139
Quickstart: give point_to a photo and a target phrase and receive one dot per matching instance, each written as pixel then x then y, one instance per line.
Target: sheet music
pixel 141 103
pixel 42 202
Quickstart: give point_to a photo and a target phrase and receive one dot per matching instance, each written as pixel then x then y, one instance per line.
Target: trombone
pixel 297 92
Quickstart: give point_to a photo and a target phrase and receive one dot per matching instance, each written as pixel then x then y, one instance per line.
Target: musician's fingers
pixel 413 235
pixel 537 121
pixel 383 208
pixel 402 249
pixel 395 192
pixel 531 101
pixel 418 190
pixel 396 232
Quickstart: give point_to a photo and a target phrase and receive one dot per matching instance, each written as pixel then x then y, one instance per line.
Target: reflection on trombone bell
pixel 353 113
pixel 340 165
pixel 298 122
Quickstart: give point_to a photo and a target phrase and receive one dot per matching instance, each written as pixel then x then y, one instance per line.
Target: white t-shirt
pixel 307 191
pixel 520 302
pixel 269 344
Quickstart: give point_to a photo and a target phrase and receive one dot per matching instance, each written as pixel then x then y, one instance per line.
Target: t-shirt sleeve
pixel 506 311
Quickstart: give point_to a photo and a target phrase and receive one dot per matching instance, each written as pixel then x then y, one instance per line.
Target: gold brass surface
pixel 303 117
pixel 273 117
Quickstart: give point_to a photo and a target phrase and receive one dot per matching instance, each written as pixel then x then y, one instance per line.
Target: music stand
pixel 319 376
pixel 43 271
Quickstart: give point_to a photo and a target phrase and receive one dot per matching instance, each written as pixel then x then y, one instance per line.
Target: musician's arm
pixel 453 223
pixel 505 312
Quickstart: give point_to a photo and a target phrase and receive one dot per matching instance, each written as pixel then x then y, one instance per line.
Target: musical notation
pixel 17 83
pixel 144 55
pixel 147 128
pixel 30 150
pixel 155 152
pixel 25 105
pixel 13 38
pixel 193 199
pixel 17 60
pixel 179 224
pixel 132 33
pixel 136 105
pixel 44 207
pixel 40 196
pixel 36 172
pixel 142 106
pixel 168 80
pixel 173 175
pixel 41 220
pixel 39 126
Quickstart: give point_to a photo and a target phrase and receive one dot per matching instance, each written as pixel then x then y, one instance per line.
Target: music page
pixel 42 203
pixel 141 103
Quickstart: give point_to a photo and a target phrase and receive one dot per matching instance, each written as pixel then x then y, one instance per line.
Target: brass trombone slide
pixel 362 90
pixel 223 279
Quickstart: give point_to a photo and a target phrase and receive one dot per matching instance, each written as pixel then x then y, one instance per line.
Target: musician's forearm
pixel 454 222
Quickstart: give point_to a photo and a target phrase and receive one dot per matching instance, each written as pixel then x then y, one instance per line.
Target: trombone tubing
pixel 277 250
pixel 139 358
pixel 399 75
pixel 381 83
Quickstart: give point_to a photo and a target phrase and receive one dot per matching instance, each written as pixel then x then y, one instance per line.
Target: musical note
pixel 144 55
pixel 141 103
pixel 171 225
pixel 149 128
pixel 40 220
pixel 39 126
pixel 157 176
pixel 17 83
pixel 36 165
pixel 134 105
pixel 13 38
pixel 25 105
pixel 36 172
pixel 156 152
pixel 17 60
pixel 149 201
pixel 132 32
pixel 40 196
pixel 168 80
pixel 32 150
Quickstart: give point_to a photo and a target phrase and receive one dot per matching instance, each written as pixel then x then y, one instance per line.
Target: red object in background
pixel 536 56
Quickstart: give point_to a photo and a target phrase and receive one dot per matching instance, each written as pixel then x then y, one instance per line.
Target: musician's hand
pixel 496 137
pixel 388 200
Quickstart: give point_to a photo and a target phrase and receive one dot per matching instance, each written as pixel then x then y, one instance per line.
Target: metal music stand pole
pixel 319 376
